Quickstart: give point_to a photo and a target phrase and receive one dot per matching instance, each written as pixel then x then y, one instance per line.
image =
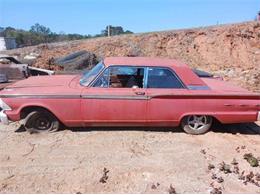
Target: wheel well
pixel 25 111
pixel 215 120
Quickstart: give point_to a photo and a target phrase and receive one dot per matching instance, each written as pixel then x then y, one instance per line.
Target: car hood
pixel 43 81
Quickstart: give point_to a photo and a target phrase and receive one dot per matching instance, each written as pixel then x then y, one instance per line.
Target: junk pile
pixel 12 70
pixel 76 61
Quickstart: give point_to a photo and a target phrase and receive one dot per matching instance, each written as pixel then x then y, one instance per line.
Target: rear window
pixel 162 78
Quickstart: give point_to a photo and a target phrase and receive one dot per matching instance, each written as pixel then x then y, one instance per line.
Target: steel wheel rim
pixel 197 122
pixel 42 123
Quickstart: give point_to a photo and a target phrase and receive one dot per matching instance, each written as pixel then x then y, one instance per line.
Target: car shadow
pixel 241 128
pixel 157 129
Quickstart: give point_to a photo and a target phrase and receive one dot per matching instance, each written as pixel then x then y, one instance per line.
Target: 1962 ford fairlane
pixel 128 91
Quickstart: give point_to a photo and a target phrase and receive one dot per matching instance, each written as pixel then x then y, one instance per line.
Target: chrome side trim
pixel 115 97
pixel 31 86
pixel 210 96
pixel 99 96
pixel 42 96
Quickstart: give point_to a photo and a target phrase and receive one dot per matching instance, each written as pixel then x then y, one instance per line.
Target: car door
pixel 163 87
pixel 116 97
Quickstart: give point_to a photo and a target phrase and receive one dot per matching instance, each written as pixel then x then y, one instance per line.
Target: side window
pixel 162 78
pixel 121 77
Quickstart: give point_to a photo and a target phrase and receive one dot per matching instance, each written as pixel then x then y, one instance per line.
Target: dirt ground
pixel 135 161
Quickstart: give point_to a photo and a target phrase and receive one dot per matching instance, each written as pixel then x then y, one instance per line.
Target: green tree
pixel 40 29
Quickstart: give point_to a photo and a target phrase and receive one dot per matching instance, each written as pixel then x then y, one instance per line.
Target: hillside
pixel 232 51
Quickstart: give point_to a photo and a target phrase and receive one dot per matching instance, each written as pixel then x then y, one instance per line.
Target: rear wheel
pixel 41 121
pixel 196 124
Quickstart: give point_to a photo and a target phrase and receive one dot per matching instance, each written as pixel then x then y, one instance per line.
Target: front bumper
pixel 3 118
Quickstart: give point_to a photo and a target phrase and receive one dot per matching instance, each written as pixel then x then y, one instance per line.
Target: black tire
pixel 41 121
pixel 196 124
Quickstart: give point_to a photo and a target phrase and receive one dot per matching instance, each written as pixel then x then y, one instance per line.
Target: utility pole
pixel 108 31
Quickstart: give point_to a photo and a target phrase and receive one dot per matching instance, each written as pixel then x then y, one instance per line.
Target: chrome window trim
pixel 146 74
pixel 146 77
pixel 98 75
pixel 104 67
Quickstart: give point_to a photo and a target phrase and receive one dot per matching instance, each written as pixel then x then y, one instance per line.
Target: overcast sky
pixel 91 16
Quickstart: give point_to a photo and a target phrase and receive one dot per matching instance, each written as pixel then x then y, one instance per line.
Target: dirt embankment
pixel 232 51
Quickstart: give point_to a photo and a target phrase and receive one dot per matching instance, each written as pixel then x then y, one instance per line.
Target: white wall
pixel 2 44
pixel 7 43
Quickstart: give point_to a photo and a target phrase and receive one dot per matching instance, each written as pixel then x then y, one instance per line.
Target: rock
pixel 224 167
pixel 211 166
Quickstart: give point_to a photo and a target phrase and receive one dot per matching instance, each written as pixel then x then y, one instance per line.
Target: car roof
pixel 142 61
pixel 183 71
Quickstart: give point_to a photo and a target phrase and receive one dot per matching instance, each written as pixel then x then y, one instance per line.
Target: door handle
pixel 140 93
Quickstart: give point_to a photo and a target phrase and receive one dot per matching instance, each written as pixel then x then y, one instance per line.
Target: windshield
pixel 90 75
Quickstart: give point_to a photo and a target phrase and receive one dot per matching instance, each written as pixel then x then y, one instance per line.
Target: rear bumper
pixel 258 116
pixel 3 118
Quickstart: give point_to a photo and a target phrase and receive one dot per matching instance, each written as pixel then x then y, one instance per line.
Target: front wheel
pixel 41 121
pixel 196 124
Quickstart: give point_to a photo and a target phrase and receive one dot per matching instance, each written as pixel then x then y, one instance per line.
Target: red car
pixel 128 91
